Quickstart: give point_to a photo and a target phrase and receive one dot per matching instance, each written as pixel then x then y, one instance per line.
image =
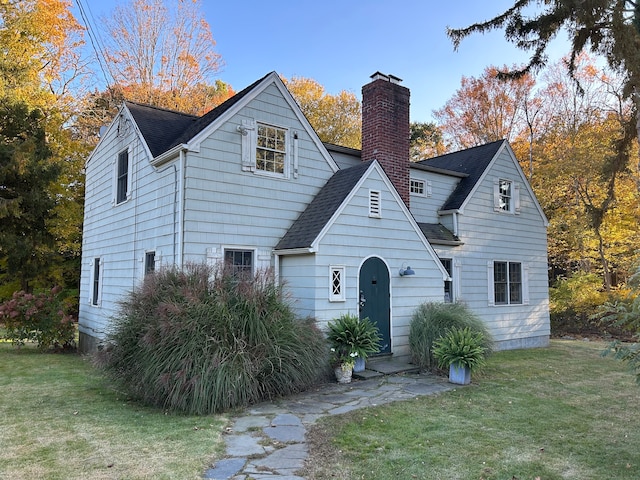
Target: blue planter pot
pixel 359 366
pixel 459 374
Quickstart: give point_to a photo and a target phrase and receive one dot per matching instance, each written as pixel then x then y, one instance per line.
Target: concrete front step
pixel 379 366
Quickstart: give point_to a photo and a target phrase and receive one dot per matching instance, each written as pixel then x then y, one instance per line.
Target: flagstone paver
pixel 267 441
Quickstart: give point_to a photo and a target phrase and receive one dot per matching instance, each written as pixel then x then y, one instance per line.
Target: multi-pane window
pixel 505 195
pixel 95 287
pixel 122 177
pixel 149 262
pixel 239 262
pixel 448 284
pixel 507 283
pixel 271 149
pixel 336 287
pixel 416 187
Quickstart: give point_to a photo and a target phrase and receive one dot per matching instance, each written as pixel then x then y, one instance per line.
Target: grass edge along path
pixel 58 420
pixel 562 412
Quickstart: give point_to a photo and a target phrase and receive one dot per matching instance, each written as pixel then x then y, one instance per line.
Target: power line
pixel 94 38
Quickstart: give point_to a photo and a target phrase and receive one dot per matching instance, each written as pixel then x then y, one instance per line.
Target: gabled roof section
pixel 159 127
pixel 310 223
pixel 472 162
pixel 438 234
pixel 164 129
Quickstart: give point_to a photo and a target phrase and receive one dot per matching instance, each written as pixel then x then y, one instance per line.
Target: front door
pixel 375 299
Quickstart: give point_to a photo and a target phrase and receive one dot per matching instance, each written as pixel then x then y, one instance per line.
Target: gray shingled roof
pixel 472 162
pixel 438 234
pixel 310 223
pixel 159 127
pixel 164 129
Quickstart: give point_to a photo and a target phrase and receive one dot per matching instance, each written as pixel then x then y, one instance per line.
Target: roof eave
pixel 168 155
pixel 295 251
pixel 451 243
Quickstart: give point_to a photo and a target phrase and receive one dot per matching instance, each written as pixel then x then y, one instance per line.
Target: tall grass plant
pixel 200 340
pixel 432 321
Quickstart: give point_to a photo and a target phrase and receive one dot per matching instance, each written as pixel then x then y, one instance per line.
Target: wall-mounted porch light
pixel 406 271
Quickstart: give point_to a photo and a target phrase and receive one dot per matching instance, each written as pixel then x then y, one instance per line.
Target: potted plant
pixel 462 350
pixel 354 338
pixel 342 361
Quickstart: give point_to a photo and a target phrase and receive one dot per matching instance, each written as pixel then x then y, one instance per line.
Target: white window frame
pixel 514 198
pixel 451 272
pixel 147 253
pixel 95 285
pixel 423 185
pixel 337 294
pixel 249 131
pixel 524 273
pixel 116 182
pixel 243 250
pixel 375 204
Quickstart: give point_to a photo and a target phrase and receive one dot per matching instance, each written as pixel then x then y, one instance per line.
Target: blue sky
pixel 340 43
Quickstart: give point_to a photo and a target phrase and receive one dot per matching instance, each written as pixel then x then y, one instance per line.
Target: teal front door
pixel 375 299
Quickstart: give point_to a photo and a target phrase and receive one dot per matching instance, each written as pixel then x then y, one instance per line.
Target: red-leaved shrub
pixel 38 318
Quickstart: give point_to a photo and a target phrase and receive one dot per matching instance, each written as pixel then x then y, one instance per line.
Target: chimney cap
pixel 389 78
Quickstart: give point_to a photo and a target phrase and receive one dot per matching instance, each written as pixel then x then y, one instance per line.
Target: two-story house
pixel 366 232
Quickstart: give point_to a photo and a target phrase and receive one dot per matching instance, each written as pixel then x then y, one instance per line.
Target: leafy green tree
pixel 41 180
pixel 609 28
pixel 26 201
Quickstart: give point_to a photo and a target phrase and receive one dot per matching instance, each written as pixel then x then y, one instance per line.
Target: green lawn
pixel 58 420
pixel 562 412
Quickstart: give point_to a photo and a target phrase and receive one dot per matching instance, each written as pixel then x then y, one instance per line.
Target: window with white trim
pixel 420 188
pixel 374 204
pixel 265 148
pixel 506 196
pixel 507 283
pixel 149 262
pixel 123 177
pixel 336 283
pixel 96 281
pixel 239 262
pixel 448 284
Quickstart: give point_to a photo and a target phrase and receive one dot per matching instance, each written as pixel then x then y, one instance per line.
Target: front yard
pixel 562 412
pixel 557 413
pixel 58 420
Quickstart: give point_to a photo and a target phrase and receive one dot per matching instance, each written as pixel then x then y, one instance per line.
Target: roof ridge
pixel 155 107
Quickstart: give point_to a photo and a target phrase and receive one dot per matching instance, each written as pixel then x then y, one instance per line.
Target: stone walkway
pixel 267 442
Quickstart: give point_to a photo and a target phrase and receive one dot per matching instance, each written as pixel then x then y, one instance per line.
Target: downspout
pixel 454 217
pixel 134 188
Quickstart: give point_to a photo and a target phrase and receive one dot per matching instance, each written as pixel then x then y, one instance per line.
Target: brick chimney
pixel 385 128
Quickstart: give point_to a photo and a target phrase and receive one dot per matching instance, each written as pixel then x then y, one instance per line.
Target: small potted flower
pixel 343 361
pixel 462 350
pixel 354 337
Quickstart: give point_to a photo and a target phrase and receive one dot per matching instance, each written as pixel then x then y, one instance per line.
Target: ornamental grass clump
pixel 432 321
pixel 201 340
